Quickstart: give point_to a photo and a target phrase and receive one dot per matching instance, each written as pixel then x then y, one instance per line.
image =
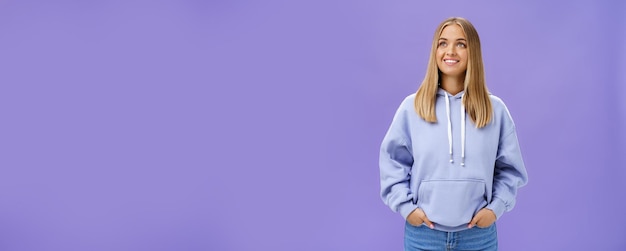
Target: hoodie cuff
pixel 406 209
pixel 497 206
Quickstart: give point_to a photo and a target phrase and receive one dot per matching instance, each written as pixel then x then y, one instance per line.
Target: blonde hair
pixel 476 99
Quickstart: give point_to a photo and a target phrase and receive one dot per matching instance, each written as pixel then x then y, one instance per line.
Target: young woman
pixel 450 162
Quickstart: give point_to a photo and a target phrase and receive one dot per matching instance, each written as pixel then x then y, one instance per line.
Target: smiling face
pixel 452 52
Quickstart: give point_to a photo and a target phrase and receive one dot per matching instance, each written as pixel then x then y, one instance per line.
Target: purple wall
pixel 255 125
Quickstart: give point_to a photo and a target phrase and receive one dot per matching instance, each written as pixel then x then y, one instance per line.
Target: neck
pixel 452 84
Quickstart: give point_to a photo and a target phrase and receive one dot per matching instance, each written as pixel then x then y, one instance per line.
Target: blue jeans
pixel 423 238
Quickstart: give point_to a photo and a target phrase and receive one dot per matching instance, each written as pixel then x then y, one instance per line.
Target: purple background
pixel 255 125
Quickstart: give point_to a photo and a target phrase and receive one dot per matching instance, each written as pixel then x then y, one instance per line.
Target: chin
pixel 452 73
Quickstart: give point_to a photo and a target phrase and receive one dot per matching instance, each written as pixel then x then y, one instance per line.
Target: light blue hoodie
pixel 450 169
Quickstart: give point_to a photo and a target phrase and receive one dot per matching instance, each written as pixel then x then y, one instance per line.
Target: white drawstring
pixel 462 133
pixel 449 126
pixel 450 130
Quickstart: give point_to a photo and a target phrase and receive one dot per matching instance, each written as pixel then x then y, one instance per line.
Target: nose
pixel 450 51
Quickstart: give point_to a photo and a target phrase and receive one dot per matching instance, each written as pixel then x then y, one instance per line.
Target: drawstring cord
pixel 450 130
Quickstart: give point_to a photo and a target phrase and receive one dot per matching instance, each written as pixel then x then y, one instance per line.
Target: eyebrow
pixel 458 39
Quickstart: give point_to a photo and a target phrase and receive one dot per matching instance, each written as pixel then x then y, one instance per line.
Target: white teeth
pixel 451 61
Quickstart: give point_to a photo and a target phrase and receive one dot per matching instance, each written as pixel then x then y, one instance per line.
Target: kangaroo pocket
pixel 451 202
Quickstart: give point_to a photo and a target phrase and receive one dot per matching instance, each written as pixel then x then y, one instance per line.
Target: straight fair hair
pixel 476 98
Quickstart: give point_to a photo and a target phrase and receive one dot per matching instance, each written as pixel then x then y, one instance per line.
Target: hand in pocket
pixel 417 217
pixel 484 218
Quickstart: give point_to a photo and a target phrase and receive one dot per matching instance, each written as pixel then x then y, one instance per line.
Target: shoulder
pixel 500 110
pixel 408 102
pixel 498 104
pixel 410 98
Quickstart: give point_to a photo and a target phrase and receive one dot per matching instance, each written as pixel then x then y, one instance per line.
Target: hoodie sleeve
pixel 395 163
pixel 509 173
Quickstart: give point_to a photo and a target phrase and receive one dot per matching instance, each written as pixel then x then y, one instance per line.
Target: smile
pixel 450 61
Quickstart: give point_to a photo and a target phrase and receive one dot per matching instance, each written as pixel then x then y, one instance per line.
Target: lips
pixel 450 62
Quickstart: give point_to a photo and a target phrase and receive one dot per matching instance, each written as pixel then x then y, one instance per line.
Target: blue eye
pixel 443 44
pixel 461 45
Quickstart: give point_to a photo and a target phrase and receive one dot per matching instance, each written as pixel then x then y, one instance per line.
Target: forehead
pixel 452 31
